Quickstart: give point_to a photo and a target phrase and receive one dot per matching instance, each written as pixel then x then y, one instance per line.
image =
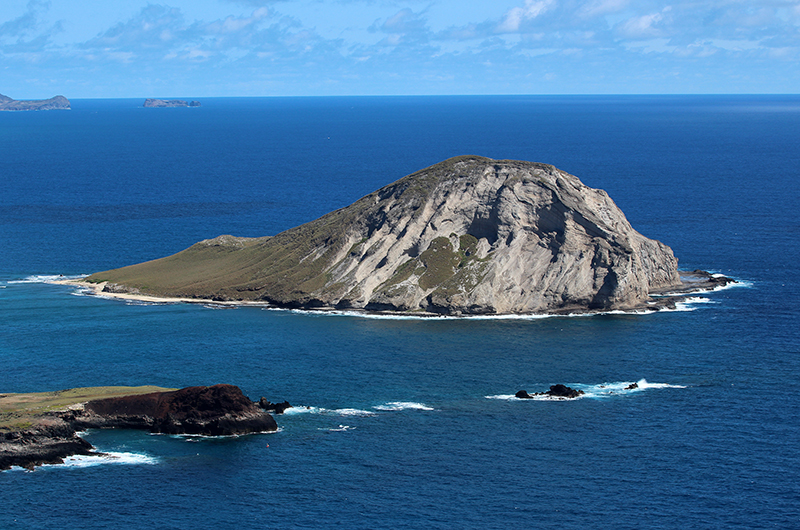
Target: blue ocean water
pixel 408 423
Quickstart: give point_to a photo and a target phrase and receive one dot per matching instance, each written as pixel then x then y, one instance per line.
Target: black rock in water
pixel 277 408
pixel 559 390
pixel 564 391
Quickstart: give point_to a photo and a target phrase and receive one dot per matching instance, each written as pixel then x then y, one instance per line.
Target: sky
pixel 209 48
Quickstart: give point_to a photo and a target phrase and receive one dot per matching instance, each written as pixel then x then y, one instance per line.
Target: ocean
pixel 408 422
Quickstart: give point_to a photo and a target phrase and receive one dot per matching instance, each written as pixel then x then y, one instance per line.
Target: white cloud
pixel 515 17
pixel 233 24
pixel 602 7
pixel 642 27
pixel 28 33
pixel 381 41
pixel 26 23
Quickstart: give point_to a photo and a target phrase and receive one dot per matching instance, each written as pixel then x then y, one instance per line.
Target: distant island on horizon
pixel 54 103
pixel 166 103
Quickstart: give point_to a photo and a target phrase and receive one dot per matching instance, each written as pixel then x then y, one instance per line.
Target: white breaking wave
pixel 402 405
pixel 731 285
pixel 598 391
pixel 81 461
pixel 397 316
pixel 294 411
pixel 643 384
pixel 512 397
pixel 353 412
pixel 689 303
pixel 739 283
pixel 391 406
pixel 46 278
pixel 340 428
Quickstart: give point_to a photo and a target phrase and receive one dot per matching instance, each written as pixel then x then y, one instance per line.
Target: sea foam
pixel 294 411
pixel 340 428
pixel 46 278
pixel 100 459
pixel 596 391
pixel 402 405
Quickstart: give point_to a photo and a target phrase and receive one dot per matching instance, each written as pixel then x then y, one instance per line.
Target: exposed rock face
pixel 48 443
pixel 216 410
pixel 470 235
pixel 54 103
pixel 558 391
pixel 277 408
pixel 155 103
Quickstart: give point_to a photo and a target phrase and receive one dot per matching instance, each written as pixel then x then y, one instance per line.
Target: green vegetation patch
pixel 20 411
pixel 464 280
pixel 283 268
pixel 440 263
pixel 468 246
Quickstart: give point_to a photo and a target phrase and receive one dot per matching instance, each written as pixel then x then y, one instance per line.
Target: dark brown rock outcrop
pixel 218 410
pixel 48 443
pixel 557 391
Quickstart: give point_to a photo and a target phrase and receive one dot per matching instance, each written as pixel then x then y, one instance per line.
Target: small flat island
pixel 54 103
pixel 41 428
pixel 167 103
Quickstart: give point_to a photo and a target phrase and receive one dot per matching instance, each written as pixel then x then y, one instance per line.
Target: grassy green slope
pixel 19 411
pixel 285 268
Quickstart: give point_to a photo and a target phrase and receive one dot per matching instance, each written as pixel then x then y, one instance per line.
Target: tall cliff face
pixel 468 235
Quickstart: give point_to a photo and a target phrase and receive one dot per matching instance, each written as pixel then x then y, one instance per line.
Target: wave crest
pixel 100 459
pixel 596 391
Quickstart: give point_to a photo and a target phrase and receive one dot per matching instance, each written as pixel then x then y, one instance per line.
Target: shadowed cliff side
pixel 470 235
pixel 219 410
pixel 41 428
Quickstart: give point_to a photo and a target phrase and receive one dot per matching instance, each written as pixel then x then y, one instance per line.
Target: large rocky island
pixel 42 428
pixel 469 235
pixel 54 103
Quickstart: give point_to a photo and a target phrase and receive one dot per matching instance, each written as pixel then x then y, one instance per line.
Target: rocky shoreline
pixel 51 436
pixel 692 282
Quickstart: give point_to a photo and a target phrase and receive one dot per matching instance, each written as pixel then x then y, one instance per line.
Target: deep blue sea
pixel 409 423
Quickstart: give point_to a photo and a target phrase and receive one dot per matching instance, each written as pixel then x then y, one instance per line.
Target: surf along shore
pixel 693 282
pixel 42 428
pixel 97 289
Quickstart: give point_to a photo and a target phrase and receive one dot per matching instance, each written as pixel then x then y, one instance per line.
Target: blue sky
pixel 204 48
